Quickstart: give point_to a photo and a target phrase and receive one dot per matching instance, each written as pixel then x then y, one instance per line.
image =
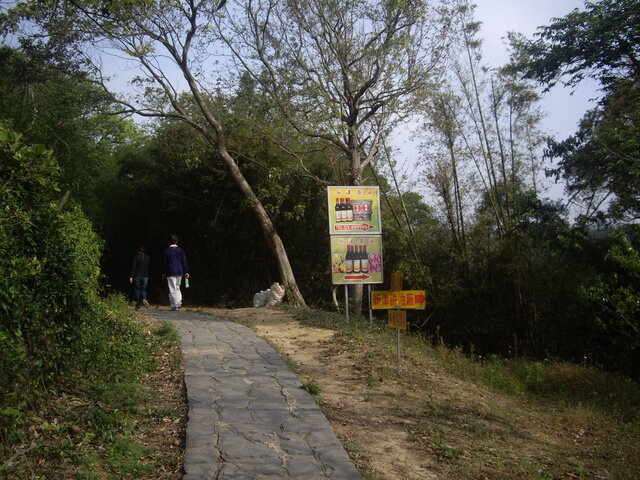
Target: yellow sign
pixel 398 319
pixel 356 259
pixel 409 299
pixel 354 210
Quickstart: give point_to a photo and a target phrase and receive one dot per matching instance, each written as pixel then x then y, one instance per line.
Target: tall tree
pixel 483 135
pixel 340 71
pixel 481 148
pixel 167 43
pixel 56 104
pixel 601 161
pixel 602 42
pixel 345 72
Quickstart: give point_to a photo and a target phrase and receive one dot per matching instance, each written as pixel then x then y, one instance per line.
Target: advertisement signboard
pixel 356 259
pixel 354 210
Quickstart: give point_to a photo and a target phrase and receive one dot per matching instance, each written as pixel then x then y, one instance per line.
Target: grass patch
pixel 314 389
pixel 125 458
pixel 95 424
pixel 468 417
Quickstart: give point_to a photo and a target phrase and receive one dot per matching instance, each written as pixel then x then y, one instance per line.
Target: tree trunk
pixel 294 296
pixel 356 293
pixel 355 179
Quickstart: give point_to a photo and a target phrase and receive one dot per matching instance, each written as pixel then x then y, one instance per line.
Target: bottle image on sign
pixel 356 259
pixel 349 211
pixel 349 260
pixel 364 260
pixel 338 210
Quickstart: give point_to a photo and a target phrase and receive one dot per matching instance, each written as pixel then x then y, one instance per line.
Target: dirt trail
pixel 360 415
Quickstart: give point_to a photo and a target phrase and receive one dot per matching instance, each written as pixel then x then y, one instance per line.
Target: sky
pixel 563 107
pixel 524 16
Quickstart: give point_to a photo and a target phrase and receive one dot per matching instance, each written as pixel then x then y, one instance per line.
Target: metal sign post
pixel 346 302
pixel 398 330
pixel 370 309
pixel 398 320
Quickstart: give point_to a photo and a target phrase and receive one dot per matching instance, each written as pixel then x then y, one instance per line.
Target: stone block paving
pixel 249 417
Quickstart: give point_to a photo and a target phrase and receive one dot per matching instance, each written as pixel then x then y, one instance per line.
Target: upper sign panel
pixel 354 210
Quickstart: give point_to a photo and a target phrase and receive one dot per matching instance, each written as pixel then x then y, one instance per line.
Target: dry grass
pixel 442 416
pixel 469 418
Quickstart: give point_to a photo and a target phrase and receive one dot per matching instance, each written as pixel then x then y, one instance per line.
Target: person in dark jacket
pixel 175 267
pixel 139 276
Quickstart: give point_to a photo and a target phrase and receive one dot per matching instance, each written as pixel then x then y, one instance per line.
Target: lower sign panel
pixel 356 259
pixel 398 319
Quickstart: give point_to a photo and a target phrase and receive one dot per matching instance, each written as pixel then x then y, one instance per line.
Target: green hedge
pixel 49 272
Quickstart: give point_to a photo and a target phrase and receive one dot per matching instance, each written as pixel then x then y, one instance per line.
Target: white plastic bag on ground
pixel 261 298
pixel 276 294
pixel 269 297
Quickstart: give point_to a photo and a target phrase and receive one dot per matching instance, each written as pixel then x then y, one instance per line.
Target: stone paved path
pixel 249 417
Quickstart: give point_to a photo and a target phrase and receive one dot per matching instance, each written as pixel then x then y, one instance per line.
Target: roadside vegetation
pixel 533 303
pixel 471 417
pixel 73 365
pixel 118 413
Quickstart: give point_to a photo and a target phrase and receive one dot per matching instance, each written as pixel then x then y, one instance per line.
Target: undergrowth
pixel 87 422
pixel 483 417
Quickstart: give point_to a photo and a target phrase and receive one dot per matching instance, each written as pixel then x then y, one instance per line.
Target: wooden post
pixel 398 318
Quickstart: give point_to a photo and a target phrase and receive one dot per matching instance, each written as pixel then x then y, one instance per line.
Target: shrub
pixel 49 275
